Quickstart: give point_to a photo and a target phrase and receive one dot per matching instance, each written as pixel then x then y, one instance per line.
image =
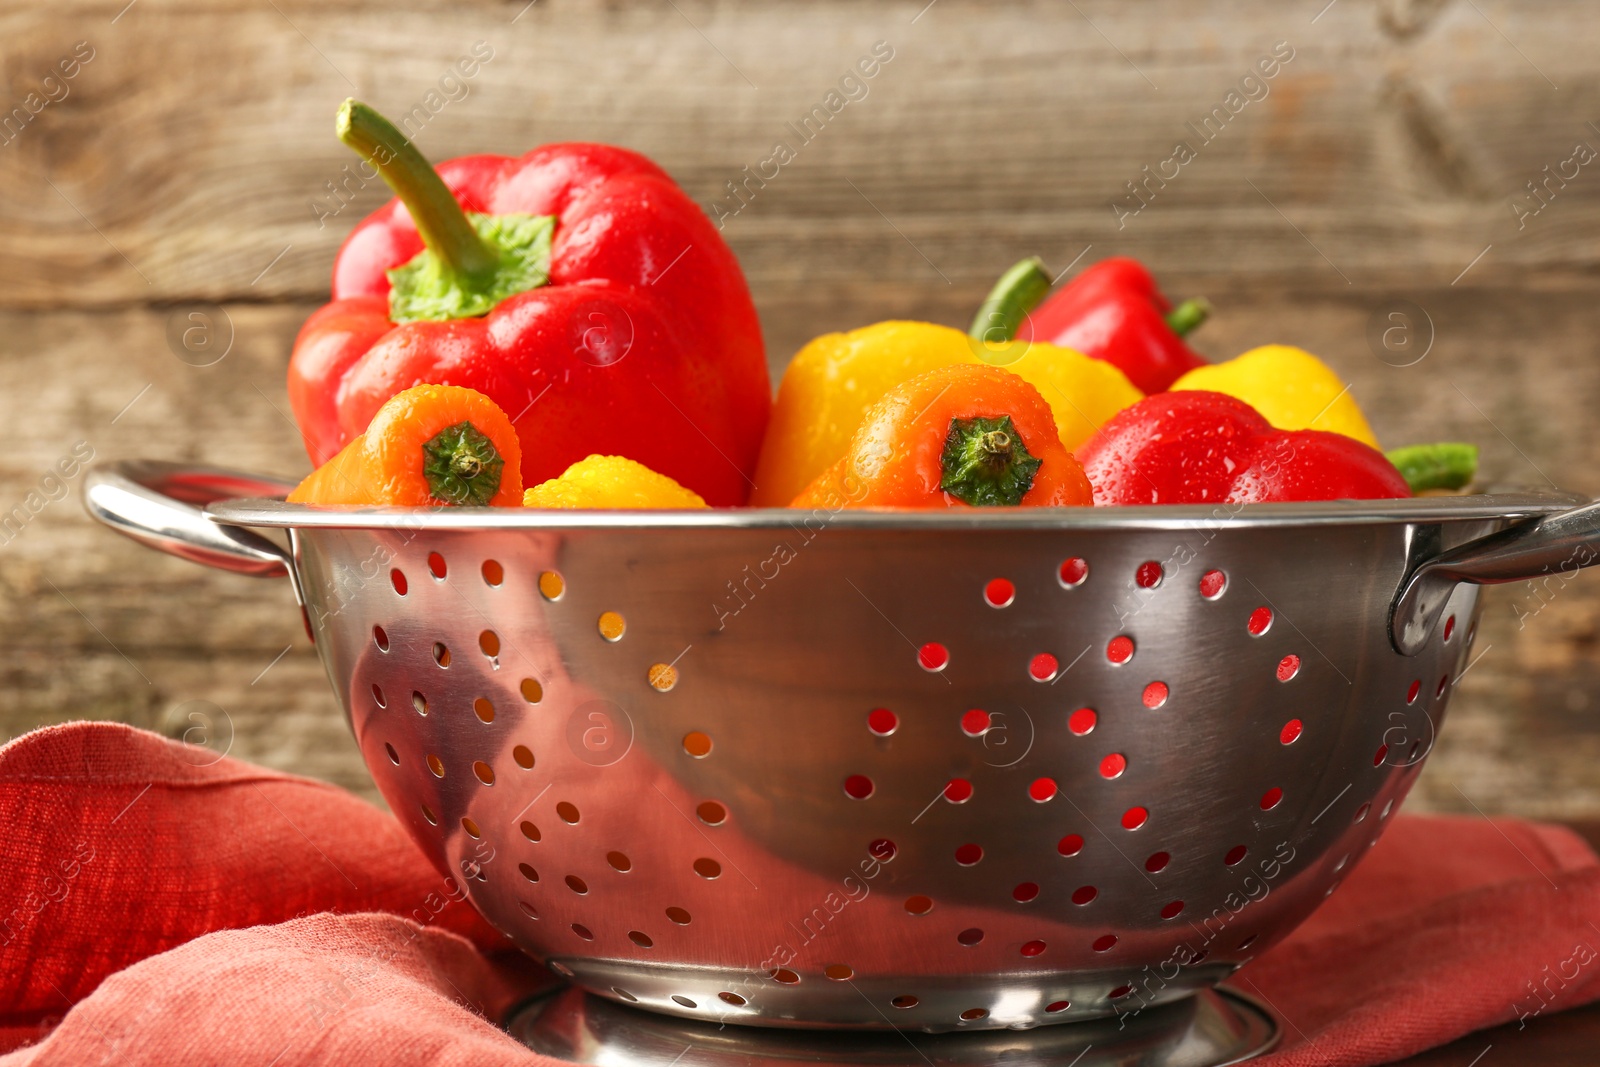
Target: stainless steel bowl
pixel 972 769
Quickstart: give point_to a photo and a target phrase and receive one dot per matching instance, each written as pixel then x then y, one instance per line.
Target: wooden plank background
pixel 185 160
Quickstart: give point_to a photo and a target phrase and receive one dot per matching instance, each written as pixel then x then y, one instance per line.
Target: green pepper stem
pixel 440 221
pixel 1189 314
pixel 1446 465
pixel 1018 292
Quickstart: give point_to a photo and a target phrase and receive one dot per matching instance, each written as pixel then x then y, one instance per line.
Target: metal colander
pixel 968 769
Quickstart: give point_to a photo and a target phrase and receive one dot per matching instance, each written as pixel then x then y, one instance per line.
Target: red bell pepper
pixel 576 286
pixel 1197 447
pixel 1113 311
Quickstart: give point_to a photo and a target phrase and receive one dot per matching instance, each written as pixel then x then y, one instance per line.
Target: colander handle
pixel 1556 544
pixel 155 504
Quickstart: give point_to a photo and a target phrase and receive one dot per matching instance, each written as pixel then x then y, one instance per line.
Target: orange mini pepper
pixel 427 445
pixel 961 435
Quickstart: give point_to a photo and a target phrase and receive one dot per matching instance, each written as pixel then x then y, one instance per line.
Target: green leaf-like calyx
pixel 985 463
pixel 428 289
pixel 462 465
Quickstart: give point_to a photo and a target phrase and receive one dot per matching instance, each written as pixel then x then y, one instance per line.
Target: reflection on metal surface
pixel 1206 1030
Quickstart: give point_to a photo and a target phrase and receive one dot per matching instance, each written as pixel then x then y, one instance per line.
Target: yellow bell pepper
pixel 610 482
pixel 832 381
pixel 1292 389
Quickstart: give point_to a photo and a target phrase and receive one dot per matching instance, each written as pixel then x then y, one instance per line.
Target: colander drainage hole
pixel 551 585
pixel 562 969
pixel 532 691
pixel 528 909
pixel 697 744
pixel 1288 667
pixel 1073 572
pixel 678 916
pixel 933 657
pixel 1414 691
pixel 1444 683
pixel 1036 948
pixel 1361 813
pixel 1113 765
pixel 577 885
pixel 1024 892
pixel 1449 627
pixel 882 721
pixel 711 813
pixel 528 872
pixel 471 828
pixel 625 995
pixel 493 573
pixel 619 861
pixel 1260 621
pixel 377 695
pixel 858 787
pixel 905 1000
pixel 707 868
pixel 582 931
pixel 1042 789
pixel 483 709
pixel 1105 943
pixel 1212 584
pixel 1119 992
pixel 1119 649
pixel 1043 667
pixel 611 625
pixel 958 791
pixel 1082 721
pixel 1247 942
pixel 975 722
pixel 380 637
pixel 970 937
pixel 1155 695
pixel 919 904
pixel 1235 854
pixel 1157 862
pixel 969 854
pixel 1134 817
pixel 732 998
pixel 436 565
pixel 484 772
pixel 999 593
pixel 427 813
pixel 394 757
pixel 839 972
pixel 974 1014
pixel 1172 909
pixel 784 976
pixel 1085 894
pixel 678 998
pixel 1057 1006
pixel 1291 731
pixel 1148 575
pixel 1070 845
pixel 1378 756
pixel 436 765
pixel 397 579
pixel 419 702
pixel 662 677
pixel 523 755
pixel 568 812
pixel 441 654
pixel 640 938
pixel 530 831
pixel 489 643
pixel 1270 798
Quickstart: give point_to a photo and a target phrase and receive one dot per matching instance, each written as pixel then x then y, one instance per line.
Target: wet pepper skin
pixel 1113 311
pixel 643 344
pixel 895 457
pixel 1200 447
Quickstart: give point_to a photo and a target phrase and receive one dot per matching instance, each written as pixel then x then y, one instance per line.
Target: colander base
pixel 1209 1029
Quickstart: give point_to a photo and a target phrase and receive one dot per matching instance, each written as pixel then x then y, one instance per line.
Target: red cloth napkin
pixel 169 913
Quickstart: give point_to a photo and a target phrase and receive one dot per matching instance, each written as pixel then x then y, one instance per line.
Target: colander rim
pixel 1505 505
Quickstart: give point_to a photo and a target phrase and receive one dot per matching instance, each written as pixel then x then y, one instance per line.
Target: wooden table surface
pixel 188 166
